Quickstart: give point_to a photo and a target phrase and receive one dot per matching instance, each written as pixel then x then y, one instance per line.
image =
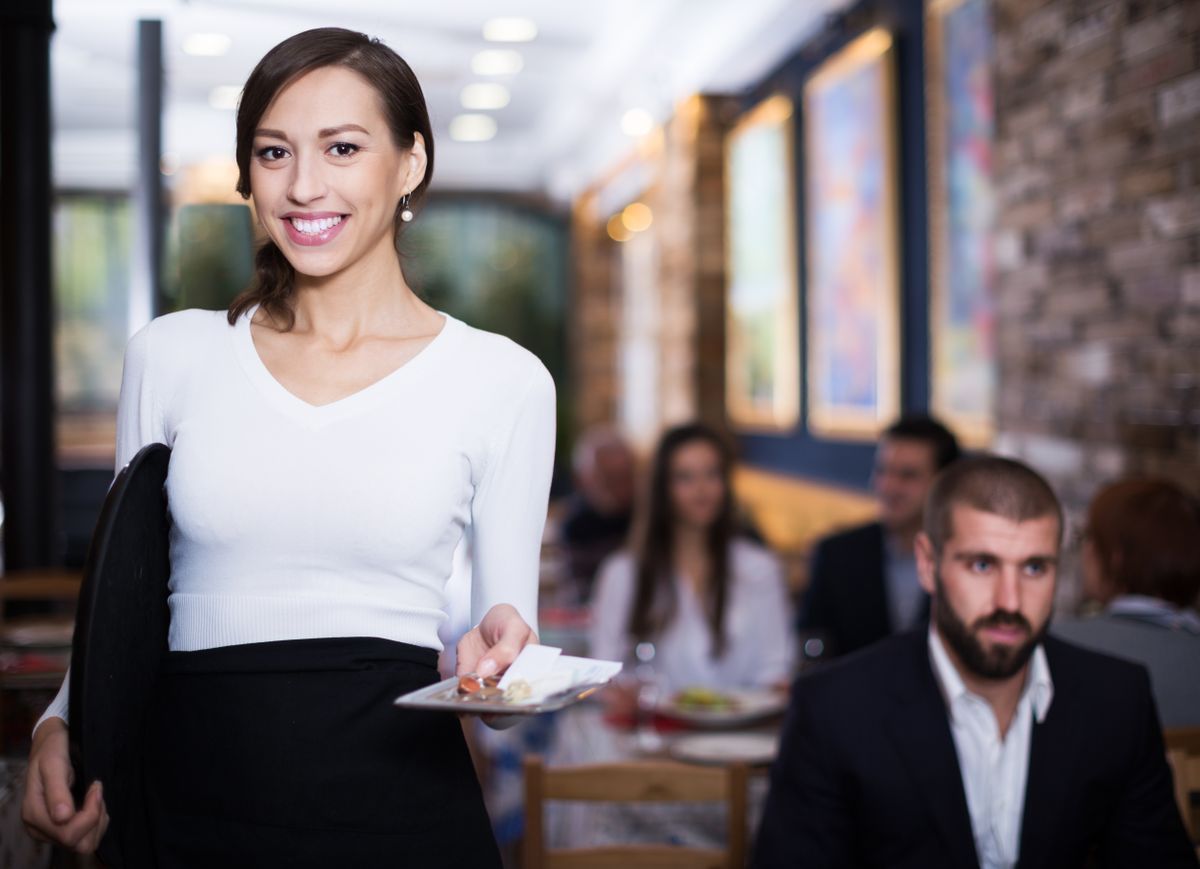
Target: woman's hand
pixel 48 809
pixel 493 644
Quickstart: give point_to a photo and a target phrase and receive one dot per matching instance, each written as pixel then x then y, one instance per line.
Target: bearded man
pixel 978 741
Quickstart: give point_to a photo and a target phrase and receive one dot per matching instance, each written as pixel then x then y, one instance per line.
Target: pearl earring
pixel 405 212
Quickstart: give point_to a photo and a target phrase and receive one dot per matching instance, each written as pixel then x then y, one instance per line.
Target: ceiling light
pixel 472 128
pixel 637 123
pixel 497 61
pixel 637 217
pixel 225 97
pixel 485 95
pixel 510 30
pixel 206 44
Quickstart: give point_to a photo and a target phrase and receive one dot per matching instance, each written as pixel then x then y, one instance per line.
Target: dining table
pixel 588 733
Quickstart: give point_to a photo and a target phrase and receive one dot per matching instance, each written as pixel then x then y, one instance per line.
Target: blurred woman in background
pixel 1141 560
pixel 713 604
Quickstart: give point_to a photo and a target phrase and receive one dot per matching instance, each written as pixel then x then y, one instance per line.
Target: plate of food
pixel 718 748
pixel 542 679
pixel 707 707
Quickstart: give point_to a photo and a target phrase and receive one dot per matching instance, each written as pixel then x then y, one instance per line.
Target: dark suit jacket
pixel 847 600
pixel 868 776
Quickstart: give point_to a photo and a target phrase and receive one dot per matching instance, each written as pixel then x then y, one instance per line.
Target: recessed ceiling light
pixel 481 96
pixel 206 44
pixel 225 97
pixel 472 128
pixel 637 123
pixel 510 30
pixel 497 61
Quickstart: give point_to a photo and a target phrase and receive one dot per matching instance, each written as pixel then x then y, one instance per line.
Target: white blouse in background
pixel 759 650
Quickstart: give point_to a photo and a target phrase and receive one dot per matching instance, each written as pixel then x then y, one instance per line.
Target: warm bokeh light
pixel 482 96
pixel 497 61
pixel 510 30
pixel 617 230
pixel 637 217
pixel 472 128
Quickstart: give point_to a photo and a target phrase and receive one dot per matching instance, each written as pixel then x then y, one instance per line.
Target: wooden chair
pixel 645 781
pixel 50 585
pixel 1183 754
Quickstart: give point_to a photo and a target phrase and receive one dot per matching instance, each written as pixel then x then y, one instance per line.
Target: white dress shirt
pixel 994 768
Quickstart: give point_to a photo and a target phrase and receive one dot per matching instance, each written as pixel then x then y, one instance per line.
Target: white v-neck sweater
pixel 294 521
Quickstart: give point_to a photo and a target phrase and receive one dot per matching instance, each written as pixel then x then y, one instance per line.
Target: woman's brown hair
pixel 1146 535
pixel 655 599
pixel 403 105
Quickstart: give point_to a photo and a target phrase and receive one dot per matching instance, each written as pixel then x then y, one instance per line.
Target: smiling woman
pixel 350 78
pixel 333 436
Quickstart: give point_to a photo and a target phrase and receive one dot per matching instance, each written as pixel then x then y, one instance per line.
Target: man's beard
pixel 998 662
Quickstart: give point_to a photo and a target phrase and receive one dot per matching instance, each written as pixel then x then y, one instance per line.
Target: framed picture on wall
pixel 852 253
pixel 961 131
pixel 762 361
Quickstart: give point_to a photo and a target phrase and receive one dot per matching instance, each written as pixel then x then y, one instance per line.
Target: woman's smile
pixel 314 228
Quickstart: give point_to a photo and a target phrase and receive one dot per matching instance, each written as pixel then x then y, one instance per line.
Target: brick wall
pixel 682 173
pixel 1098 183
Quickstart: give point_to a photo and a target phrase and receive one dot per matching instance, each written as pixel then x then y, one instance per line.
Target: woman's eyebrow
pixel 321 134
pixel 344 128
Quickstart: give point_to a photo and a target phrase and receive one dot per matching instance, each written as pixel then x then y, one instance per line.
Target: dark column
pixel 149 212
pixel 28 482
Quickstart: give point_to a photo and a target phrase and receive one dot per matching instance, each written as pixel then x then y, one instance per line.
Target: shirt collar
pixel 1155 610
pixel 1039 687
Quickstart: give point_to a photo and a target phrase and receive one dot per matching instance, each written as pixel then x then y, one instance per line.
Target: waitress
pixel 332 438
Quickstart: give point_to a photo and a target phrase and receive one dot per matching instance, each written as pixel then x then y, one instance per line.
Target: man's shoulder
pixel 852 539
pixel 1092 672
pixel 885 667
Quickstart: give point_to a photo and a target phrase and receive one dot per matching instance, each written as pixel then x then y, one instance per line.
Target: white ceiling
pixel 590 63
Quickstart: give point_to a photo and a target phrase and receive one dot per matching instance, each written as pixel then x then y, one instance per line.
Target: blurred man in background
pixel 599 514
pixel 863 582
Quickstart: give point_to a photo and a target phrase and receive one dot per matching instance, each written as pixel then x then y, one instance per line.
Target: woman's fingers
pixel 78 832
pixel 55 775
pixel 91 840
pixel 509 634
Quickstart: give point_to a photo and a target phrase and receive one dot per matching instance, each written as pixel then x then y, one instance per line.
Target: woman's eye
pixel 271 153
pixel 343 149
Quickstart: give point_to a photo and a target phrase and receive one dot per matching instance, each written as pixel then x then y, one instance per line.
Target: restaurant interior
pixel 785 224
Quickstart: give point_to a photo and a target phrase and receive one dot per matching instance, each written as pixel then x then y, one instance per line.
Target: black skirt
pixel 291 754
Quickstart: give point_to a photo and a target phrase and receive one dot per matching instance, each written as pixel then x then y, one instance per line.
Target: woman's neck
pixel 690 554
pixel 370 297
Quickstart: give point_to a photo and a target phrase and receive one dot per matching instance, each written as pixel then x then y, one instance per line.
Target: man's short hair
pixel 1003 487
pixel 920 427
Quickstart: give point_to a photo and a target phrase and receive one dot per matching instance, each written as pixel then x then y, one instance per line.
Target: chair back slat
pixel 643 781
pixel 1183 755
pixel 650 781
pixel 639 856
